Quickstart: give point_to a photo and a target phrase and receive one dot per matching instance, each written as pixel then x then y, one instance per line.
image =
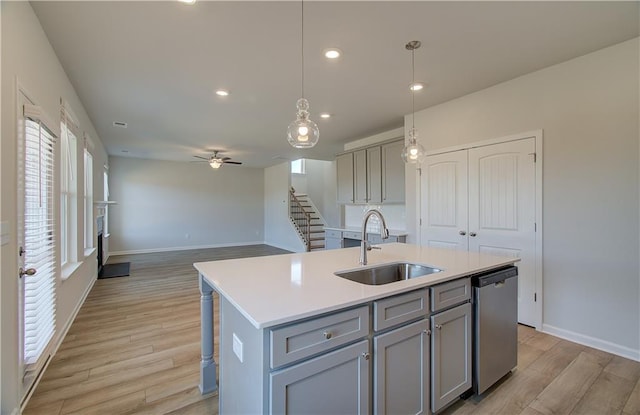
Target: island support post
pixel 208 381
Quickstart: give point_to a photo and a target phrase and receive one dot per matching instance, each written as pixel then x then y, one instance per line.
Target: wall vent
pixel 120 124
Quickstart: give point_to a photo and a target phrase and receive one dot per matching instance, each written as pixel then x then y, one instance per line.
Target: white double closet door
pixel 483 200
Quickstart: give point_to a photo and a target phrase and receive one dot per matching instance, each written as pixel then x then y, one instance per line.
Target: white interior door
pixel 36 238
pixel 502 211
pixel 444 204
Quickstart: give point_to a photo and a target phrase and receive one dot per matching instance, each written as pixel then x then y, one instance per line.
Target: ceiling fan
pixel 216 161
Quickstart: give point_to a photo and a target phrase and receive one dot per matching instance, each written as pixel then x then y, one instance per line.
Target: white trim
pixel 62 334
pixel 69 269
pixel 617 349
pixel 513 137
pixel 186 248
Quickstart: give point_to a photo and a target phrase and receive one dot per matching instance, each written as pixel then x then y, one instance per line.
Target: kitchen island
pixel 287 316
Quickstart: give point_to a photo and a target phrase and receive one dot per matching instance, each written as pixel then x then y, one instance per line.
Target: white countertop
pixel 278 289
pixel 392 232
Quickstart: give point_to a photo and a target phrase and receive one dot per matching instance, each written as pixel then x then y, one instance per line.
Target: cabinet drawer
pixel 301 340
pixel 332 234
pixel 450 293
pixel 352 235
pixel 396 310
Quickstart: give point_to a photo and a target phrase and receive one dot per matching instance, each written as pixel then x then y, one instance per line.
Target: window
pixel 88 200
pixel 105 225
pixel 37 228
pixel 68 189
pixel 298 167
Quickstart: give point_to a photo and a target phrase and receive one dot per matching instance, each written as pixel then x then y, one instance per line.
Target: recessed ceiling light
pixel 332 53
pixel 222 93
pixel 325 115
pixel 416 86
pixel 187 1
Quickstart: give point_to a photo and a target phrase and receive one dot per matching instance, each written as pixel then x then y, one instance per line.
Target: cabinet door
pixel 451 355
pixel 344 173
pixel 374 175
pixel 401 370
pixel 392 173
pixel 334 383
pixel 445 206
pixel 360 176
pixel 332 243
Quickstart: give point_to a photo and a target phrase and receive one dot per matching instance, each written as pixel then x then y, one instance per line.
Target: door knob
pixel 463 233
pixel 472 234
pixel 29 271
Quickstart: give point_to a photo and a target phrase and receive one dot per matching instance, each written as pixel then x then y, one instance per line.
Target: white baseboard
pixel 183 248
pixel 596 343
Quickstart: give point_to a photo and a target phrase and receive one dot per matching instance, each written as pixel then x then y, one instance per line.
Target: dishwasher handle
pixel 495 277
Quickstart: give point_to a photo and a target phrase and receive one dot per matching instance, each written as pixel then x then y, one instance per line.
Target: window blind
pixel 39 305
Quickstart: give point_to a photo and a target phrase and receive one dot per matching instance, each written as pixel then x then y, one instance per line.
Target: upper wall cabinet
pixel 371 175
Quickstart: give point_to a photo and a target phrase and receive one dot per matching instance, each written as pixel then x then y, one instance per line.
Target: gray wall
pixel 278 229
pixel 319 183
pixel 166 205
pixel 588 109
pixel 28 56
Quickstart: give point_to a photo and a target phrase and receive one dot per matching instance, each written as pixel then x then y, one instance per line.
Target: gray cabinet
pixel 451 355
pixel 334 383
pixel 344 173
pixel 371 175
pixel 401 370
pixel 392 173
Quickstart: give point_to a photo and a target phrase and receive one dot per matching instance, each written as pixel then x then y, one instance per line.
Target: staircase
pixel 307 220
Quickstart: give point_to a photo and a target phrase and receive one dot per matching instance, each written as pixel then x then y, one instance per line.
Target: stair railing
pixel 298 213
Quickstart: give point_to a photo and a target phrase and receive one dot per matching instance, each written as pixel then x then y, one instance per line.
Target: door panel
pixel 502 211
pixel 444 208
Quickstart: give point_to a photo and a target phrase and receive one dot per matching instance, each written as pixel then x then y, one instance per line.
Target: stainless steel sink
pixel 387 273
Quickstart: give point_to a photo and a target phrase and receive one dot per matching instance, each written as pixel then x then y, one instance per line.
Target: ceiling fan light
pixel 215 164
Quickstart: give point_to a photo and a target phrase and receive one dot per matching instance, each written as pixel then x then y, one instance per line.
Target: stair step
pixel 316 239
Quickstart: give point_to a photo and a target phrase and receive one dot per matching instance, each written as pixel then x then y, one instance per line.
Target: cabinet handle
pixel 472 234
pixel 366 355
pixel 327 335
pixel 438 326
pixel 427 332
pixel 463 233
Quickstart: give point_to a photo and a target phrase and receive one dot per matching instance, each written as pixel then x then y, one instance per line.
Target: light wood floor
pixel 135 348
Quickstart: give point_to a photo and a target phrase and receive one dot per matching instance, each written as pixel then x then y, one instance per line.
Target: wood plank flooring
pixel 134 348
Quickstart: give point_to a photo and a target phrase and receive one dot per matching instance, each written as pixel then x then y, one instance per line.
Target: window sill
pixel 106 235
pixel 88 252
pixel 68 269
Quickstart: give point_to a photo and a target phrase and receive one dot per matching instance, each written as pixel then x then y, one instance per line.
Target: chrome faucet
pixel 364 244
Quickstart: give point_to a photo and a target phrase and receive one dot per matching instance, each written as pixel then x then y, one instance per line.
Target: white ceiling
pixel 155 65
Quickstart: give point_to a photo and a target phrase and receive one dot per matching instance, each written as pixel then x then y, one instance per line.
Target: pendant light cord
pixel 302 45
pixel 413 84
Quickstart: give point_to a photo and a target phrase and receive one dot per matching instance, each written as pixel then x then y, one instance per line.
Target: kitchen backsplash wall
pixel 394 215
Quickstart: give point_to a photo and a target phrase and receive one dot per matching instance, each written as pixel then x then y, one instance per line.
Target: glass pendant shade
pixel 413 152
pixel 303 133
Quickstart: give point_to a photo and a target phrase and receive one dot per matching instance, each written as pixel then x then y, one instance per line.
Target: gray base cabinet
pixel 451 355
pixel 401 370
pixel 334 383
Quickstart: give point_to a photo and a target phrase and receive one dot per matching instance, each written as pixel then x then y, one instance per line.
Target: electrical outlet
pixel 237 347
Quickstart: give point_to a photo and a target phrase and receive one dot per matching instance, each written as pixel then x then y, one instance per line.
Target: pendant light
pixel 413 152
pixel 303 133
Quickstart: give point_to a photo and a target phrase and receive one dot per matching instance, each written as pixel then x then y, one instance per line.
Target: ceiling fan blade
pixel 226 158
pixel 232 162
pixel 203 158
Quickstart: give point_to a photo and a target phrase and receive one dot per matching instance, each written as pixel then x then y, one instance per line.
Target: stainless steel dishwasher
pixel 495 326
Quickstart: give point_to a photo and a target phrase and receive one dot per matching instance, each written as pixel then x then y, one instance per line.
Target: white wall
pixel 319 182
pixel 166 205
pixel 278 229
pixel 28 56
pixel 588 109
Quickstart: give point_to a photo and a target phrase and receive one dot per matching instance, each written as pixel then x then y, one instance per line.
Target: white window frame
pixel 68 192
pixel 298 167
pixel 89 238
